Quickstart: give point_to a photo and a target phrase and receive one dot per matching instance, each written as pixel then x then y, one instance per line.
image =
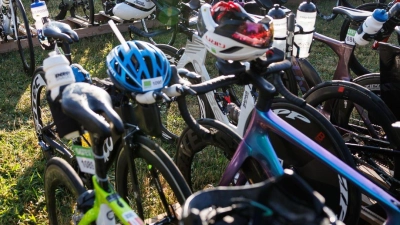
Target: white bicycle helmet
pixel 229 33
pixel 134 9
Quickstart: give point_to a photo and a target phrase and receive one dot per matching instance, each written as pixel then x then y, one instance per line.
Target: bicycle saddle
pixel 354 14
pixel 284 200
pixel 84 102
pixel 60 31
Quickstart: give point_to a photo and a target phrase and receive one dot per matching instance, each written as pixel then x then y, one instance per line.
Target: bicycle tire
pixel 155 158
pixel 27 54
pixel 325 11
pixel 46 131
pixel 83 10
pixel 148 25
pixel 42 116
pixel 347 93
pixel 355 63
pixel 190 146
pixel 170 115
pixel 370 81
pixel 60 174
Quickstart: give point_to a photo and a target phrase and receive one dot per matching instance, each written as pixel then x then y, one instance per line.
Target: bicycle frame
pixel 6 22
pixel 256 144
pixel 106 204
pixel 195 54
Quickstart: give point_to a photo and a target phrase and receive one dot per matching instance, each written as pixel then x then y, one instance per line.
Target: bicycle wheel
pixel 22 34
pixel 170 115
pixel 364 121
pixel 151 24
pixel 202 162
pixel 41 110
pixel 46 130
pixel 150 182
pixel 324 8
pixel 355 3
pixel 364 59
pixel 83 10
pixel 62 187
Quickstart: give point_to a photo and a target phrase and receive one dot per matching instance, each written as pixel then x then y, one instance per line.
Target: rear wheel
pixel 203 162
pixel 364 121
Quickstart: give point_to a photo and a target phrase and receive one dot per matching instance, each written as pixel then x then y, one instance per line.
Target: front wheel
pixel 202 162
pixel 62 187
pixel 150 182
pixel 198 105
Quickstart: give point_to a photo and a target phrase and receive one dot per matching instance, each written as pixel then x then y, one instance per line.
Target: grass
pixel 21 161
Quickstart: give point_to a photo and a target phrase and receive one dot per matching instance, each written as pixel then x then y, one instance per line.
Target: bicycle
pixel 15 27
pixel 387 34
pixel 254 141
pixel 133 148
pixel 371 132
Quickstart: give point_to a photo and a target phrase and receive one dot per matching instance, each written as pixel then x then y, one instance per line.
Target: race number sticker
pixel 132 218
pixel 350 36
pixel 85 159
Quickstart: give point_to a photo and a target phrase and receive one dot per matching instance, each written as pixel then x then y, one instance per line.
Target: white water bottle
pixel 305 20
pixel 371 26
pixel 280 27
pixel 57 72
pixel 39 11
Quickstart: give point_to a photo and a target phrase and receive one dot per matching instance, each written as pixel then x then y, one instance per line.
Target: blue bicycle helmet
pixel 143 68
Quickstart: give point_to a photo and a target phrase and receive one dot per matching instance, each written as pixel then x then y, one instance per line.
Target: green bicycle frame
pixel 106 206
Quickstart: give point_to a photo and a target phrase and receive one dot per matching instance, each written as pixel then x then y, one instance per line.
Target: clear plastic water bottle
pixel 371 26
pixel 39 11
pixel 305 20
pixel 57 72
pixel 280 27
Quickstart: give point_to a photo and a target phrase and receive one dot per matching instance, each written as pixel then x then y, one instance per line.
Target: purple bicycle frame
pixel 256 144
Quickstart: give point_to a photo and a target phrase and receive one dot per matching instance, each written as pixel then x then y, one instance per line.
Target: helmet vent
pixel 149 64
pixel 135 63
pixel 231 50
